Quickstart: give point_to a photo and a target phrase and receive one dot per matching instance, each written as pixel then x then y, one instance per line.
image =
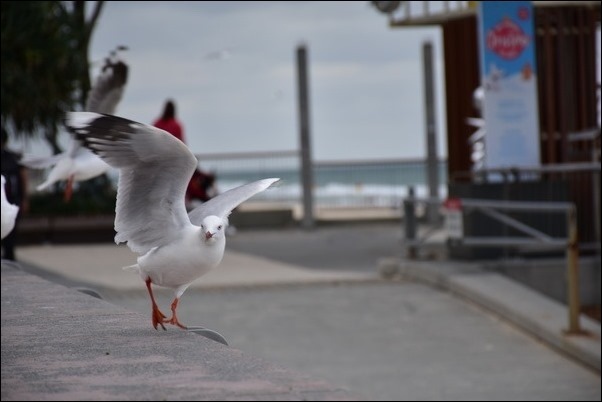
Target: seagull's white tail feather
pixel 61 171
pixel 41 162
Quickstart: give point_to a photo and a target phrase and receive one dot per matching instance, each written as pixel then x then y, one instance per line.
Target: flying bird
pixel 108 89
pixel 221 54
pixel 175 247
pixel 9 213
pixel 78 163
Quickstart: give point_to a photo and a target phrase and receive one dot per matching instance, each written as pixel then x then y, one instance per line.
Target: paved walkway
pixel 379 339
pixel 99 266
pixel 60 344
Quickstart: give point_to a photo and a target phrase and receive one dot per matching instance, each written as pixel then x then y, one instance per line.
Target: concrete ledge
pixel 541 316
pixel 99 228
pixel 65 229
pixel 533 312
pixel 60 344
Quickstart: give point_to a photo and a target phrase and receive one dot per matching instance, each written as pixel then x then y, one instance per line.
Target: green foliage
pixel 44 61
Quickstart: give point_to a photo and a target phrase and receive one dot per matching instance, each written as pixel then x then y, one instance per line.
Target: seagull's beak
pixel 208 235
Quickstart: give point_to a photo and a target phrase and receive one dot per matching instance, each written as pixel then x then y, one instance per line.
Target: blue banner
pixel 509 81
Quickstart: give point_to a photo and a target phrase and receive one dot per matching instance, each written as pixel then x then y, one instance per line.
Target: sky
pixel 231 69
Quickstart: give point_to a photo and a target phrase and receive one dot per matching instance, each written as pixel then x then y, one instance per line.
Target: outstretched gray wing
pixel 154 171
pixel 224 203
pixel 109 85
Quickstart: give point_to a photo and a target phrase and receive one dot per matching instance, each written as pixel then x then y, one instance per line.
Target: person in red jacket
pixel 201 187
pixel 169 122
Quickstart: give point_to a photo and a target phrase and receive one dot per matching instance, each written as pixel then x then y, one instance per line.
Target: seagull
pixel 9 213
pixel 78 163
pixel 174 248
pixel 108 89
pixel 221 54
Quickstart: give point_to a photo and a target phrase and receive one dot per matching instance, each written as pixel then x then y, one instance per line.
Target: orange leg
pixel 174 319
pixel 158 317
pixel 69 189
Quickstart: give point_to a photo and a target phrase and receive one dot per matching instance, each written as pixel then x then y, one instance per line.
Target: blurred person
pixel 201 187
pixel 169 122
pixel 16 192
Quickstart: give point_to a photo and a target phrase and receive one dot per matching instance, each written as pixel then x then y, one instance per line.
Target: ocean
pixel 360 183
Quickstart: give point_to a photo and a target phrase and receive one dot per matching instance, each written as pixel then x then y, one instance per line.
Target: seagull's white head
pixel 213 228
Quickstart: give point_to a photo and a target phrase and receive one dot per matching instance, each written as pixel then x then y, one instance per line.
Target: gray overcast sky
pixel 366 78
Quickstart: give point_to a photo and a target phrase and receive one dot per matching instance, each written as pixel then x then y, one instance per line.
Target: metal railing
pixel 379 184
pixel 532 237
pixel 578 183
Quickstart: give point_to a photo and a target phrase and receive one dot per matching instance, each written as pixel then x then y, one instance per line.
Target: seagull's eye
pixel 219 227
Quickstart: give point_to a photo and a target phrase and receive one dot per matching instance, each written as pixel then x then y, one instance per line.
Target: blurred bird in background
pixel 9 212
pixel 78 163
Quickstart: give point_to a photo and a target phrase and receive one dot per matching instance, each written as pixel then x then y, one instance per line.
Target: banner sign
pixel 509 79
